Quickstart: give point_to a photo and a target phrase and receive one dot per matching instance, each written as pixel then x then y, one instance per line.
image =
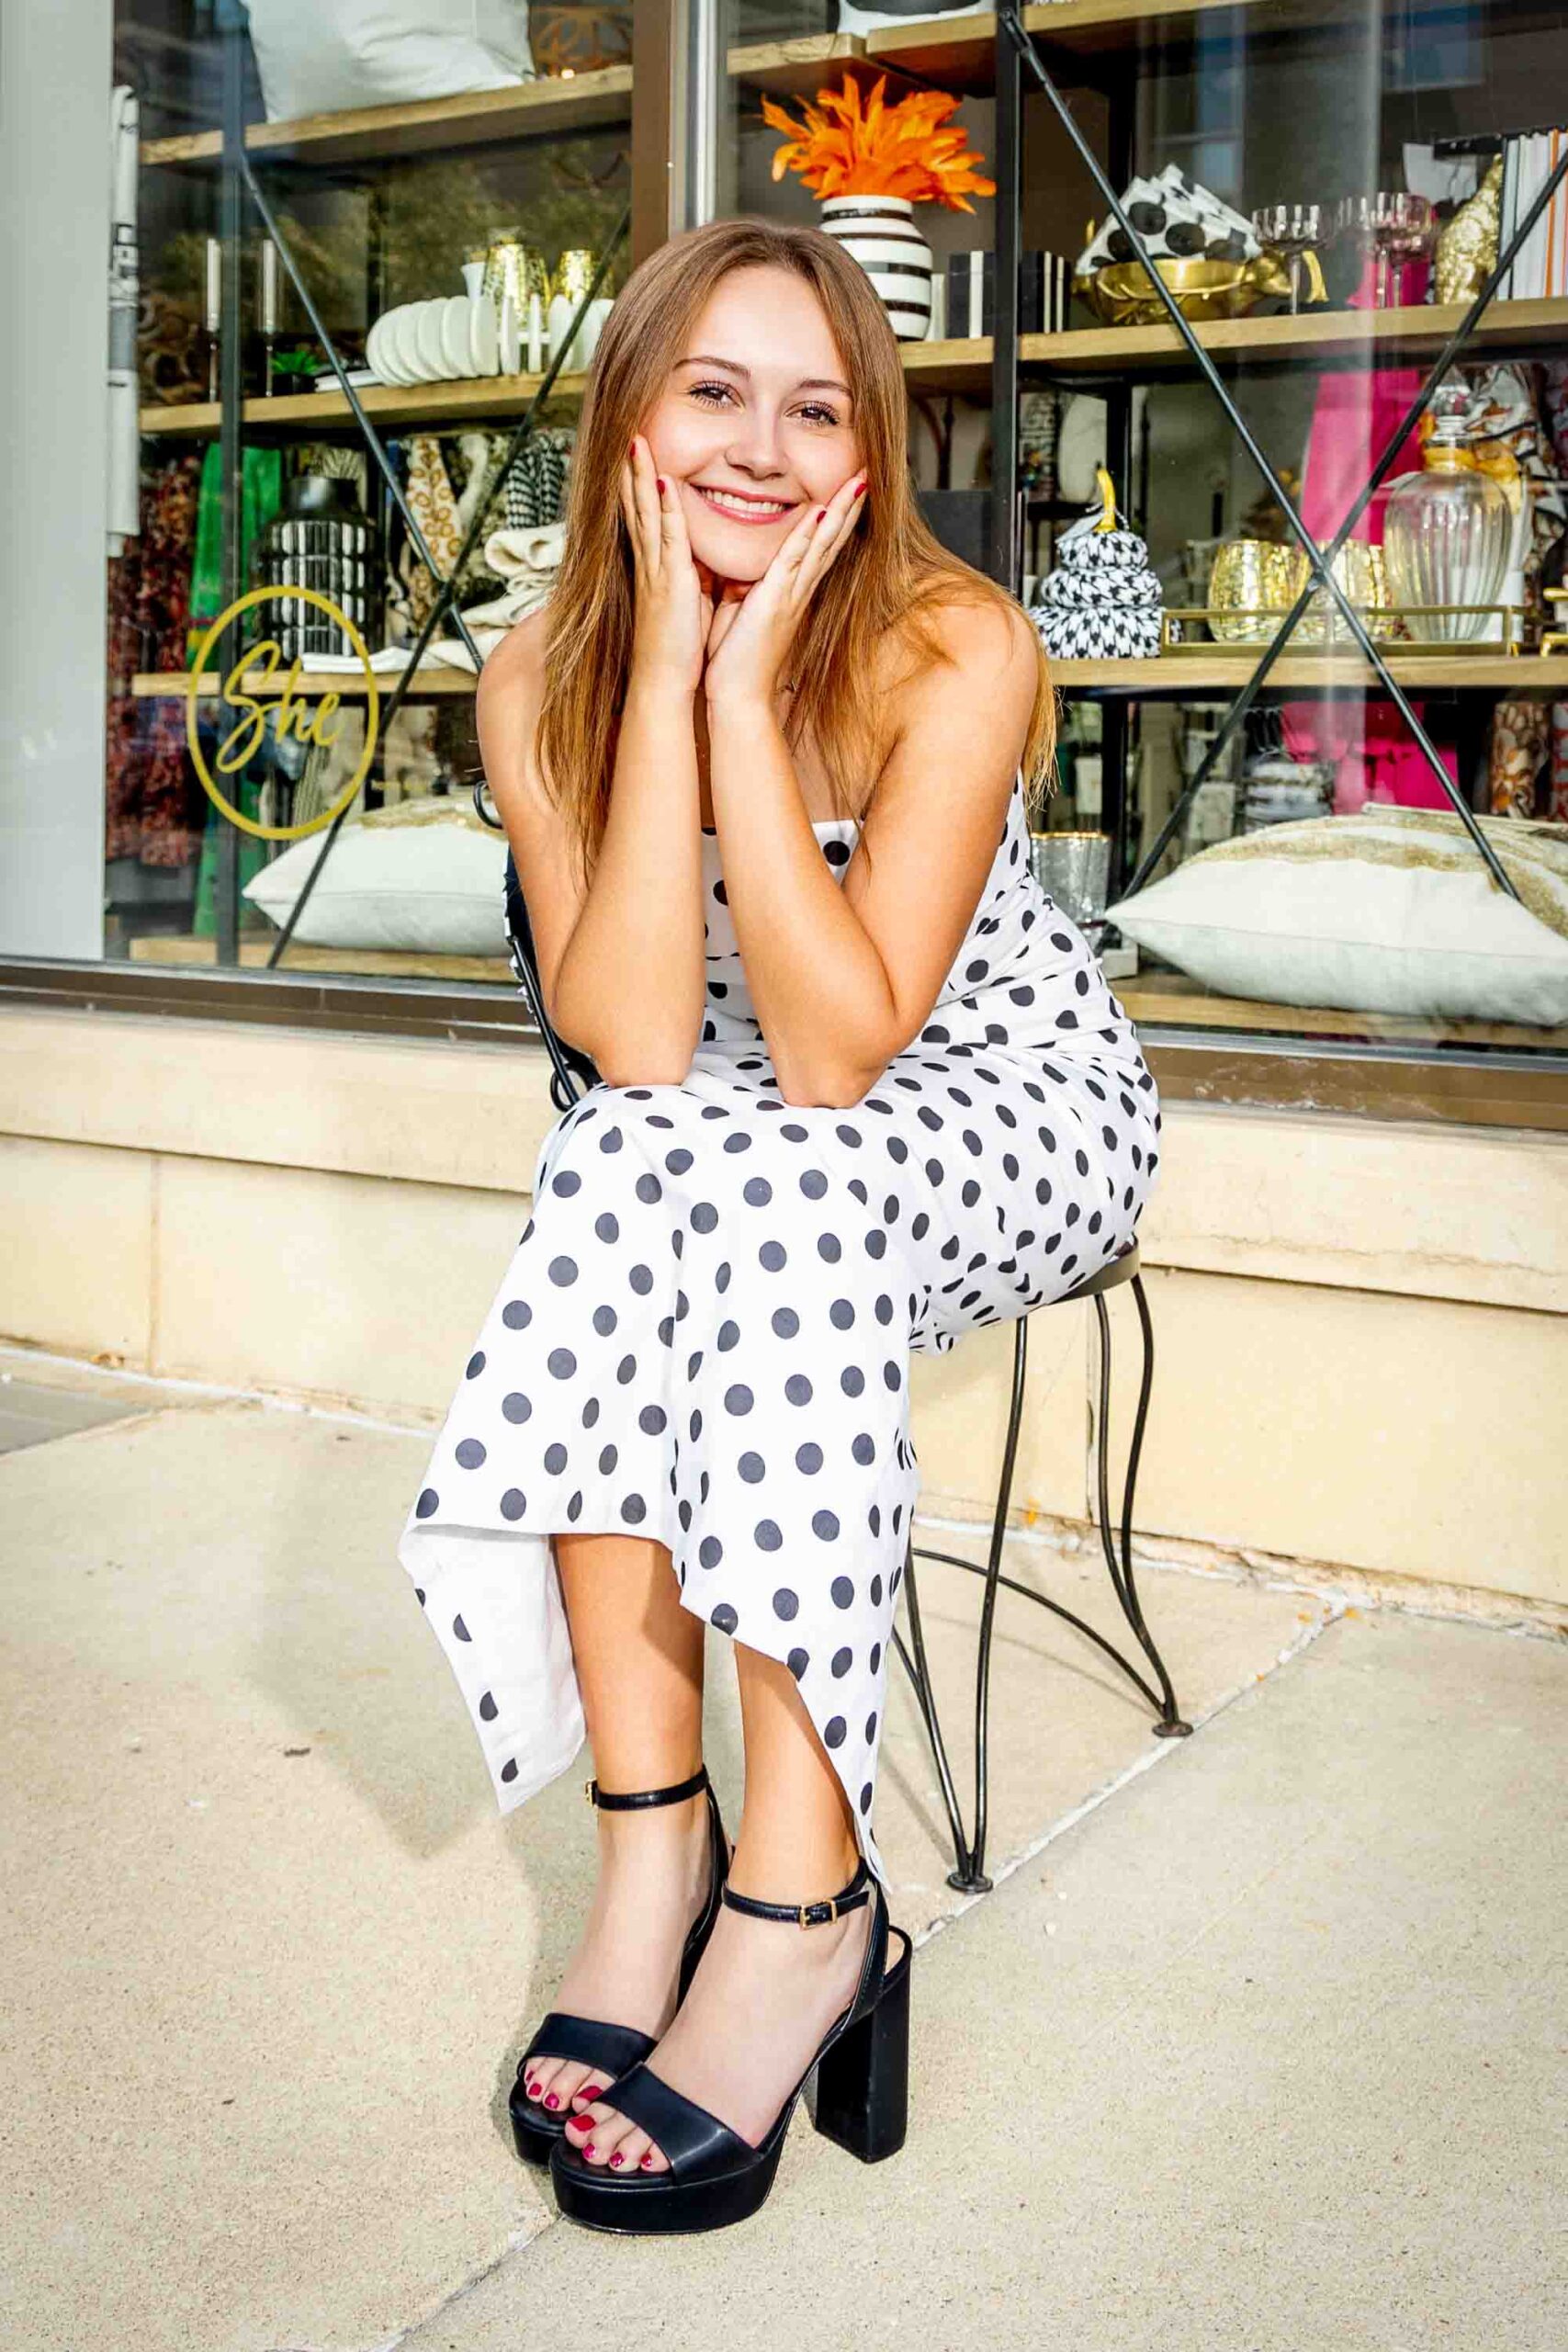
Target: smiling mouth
pixel 741 508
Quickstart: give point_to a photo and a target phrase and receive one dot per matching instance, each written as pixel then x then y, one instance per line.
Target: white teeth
pixel 748 506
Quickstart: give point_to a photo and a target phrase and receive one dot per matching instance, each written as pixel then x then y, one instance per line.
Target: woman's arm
pixel 844 976
pixel 621 961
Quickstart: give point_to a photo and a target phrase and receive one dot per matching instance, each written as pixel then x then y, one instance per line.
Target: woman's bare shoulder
pixel 981 649
pixel 513 673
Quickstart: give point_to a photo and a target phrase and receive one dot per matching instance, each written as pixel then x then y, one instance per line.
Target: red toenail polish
pixel 616 2157
pixel 647 2158
pixel 591 2092
pixel 550 2100
pixel 588 2147
pixel 533 2091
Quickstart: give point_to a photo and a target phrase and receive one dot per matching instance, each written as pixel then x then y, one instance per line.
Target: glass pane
pixel 445 202
pixel 1320 186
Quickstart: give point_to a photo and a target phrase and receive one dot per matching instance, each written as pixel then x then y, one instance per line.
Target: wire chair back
pixel 572 1071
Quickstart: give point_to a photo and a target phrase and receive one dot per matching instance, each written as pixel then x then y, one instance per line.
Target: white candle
pixel 269 287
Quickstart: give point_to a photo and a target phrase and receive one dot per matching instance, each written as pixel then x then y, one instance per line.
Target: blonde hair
pixel 890 576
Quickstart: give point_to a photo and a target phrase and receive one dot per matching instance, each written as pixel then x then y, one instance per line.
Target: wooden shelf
pixel 547 108
pixel 479 398
pixel 959 53
pixel 1219 669
pixel 1324 337
pixel 169 685
pixel 1173 1000
pixel 1175 677
pixel 356 962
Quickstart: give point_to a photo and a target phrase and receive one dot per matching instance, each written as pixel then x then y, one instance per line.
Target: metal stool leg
pixel 969 1873
pixel 1169 1724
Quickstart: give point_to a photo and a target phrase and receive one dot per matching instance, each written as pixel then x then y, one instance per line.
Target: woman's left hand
pixel 755 622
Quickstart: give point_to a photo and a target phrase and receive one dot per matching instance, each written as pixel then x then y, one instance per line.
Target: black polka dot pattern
pixel 704 1333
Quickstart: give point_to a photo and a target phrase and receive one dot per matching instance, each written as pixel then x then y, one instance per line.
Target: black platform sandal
pixel 593 2042
pixel 862 2070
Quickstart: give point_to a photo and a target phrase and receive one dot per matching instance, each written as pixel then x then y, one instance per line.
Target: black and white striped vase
pixel 881 233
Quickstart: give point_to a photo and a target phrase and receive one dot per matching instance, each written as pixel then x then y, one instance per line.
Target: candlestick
pixel 212 316
pixel 270 301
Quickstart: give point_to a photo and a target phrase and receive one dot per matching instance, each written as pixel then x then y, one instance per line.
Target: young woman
pixel 763 761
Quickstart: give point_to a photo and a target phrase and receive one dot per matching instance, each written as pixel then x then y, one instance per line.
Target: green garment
pixel 260 496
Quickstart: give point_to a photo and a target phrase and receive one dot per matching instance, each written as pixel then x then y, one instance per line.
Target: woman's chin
pixel 738 551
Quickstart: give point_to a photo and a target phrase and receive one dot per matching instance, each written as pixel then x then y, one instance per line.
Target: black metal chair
pixel 573 1073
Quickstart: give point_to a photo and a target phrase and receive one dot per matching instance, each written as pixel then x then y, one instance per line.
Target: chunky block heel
pixel 863 2082
pixel 613 2050
pixel 712 2176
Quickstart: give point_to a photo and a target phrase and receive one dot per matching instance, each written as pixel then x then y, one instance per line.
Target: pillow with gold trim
pixel 1391 911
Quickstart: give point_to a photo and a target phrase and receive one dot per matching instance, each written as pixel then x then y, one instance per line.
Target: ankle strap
pixel 803 1915
pixel 637 1797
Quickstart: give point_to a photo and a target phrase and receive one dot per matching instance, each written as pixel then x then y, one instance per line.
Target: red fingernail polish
pixel 632 445
pixel 860 486
pixel 616 2157
pixel 821 512
pixel 663 485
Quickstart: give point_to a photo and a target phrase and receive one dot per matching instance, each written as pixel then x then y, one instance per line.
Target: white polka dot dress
pixel 704 1332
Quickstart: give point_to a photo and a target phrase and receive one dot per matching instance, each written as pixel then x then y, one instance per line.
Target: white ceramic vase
pixel 881 233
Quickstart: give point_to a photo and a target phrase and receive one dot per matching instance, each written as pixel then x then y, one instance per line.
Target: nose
pixel 754 447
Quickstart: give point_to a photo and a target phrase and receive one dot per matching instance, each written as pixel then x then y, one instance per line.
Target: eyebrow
pixel 806 383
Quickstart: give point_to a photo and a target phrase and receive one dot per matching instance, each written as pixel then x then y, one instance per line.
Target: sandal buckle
pixel 588 1790
pixel 832 1902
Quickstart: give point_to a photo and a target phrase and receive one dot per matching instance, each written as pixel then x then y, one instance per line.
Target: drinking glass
pixel 1392 226
pixel 1291 230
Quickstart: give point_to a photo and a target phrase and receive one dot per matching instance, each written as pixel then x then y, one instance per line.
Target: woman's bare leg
pixel 765 1994
pixel 640 1665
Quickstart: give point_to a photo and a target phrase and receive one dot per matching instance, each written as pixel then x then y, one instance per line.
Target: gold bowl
pixel 1123 294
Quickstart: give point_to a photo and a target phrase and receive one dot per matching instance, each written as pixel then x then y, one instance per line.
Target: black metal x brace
pixel 1319 560
pixel 445 588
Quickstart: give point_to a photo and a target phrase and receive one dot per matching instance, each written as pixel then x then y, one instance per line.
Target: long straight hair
pixel 891 576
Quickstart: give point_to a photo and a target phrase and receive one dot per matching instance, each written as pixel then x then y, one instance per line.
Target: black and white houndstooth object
pixel 1103 600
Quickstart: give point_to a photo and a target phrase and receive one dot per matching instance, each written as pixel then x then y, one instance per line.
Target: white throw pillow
pixel 854 20
pixel 1388 912
pixel 421 878
pixel 379 52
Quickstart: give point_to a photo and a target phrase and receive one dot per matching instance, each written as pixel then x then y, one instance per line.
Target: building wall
pixel 1359 1327
pixel 56 69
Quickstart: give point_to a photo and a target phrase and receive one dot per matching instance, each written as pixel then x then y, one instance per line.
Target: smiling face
pixel 756 419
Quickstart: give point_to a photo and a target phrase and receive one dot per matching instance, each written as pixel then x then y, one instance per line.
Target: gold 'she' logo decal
pixel 258 684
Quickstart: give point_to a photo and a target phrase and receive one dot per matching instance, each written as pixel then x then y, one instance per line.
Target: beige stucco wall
pixel 1363 1355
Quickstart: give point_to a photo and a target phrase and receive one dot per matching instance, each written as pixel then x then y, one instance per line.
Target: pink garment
pixel 1354 411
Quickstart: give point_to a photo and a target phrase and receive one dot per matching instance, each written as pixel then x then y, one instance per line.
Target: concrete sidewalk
pixel 1258 2046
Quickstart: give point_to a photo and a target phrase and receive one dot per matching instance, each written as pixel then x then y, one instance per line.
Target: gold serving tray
pixel 1383 624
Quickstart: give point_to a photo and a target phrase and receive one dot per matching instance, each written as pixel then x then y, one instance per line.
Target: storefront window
pixel 1324 191
pixel 1260 840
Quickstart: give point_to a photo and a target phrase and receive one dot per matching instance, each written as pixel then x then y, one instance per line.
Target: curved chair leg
pixel 1169 1724
pixel 969 1873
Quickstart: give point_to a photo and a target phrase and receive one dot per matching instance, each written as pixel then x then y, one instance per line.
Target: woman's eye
pixel 716 395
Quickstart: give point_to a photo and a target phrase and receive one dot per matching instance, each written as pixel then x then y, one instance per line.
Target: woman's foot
pixel 762 1999
pixel 624 1967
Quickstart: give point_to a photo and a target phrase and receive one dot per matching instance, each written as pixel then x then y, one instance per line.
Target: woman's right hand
pixel 674 610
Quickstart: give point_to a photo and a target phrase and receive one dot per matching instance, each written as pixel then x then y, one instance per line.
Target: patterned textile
pixel 1520 742
pixel 153 804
